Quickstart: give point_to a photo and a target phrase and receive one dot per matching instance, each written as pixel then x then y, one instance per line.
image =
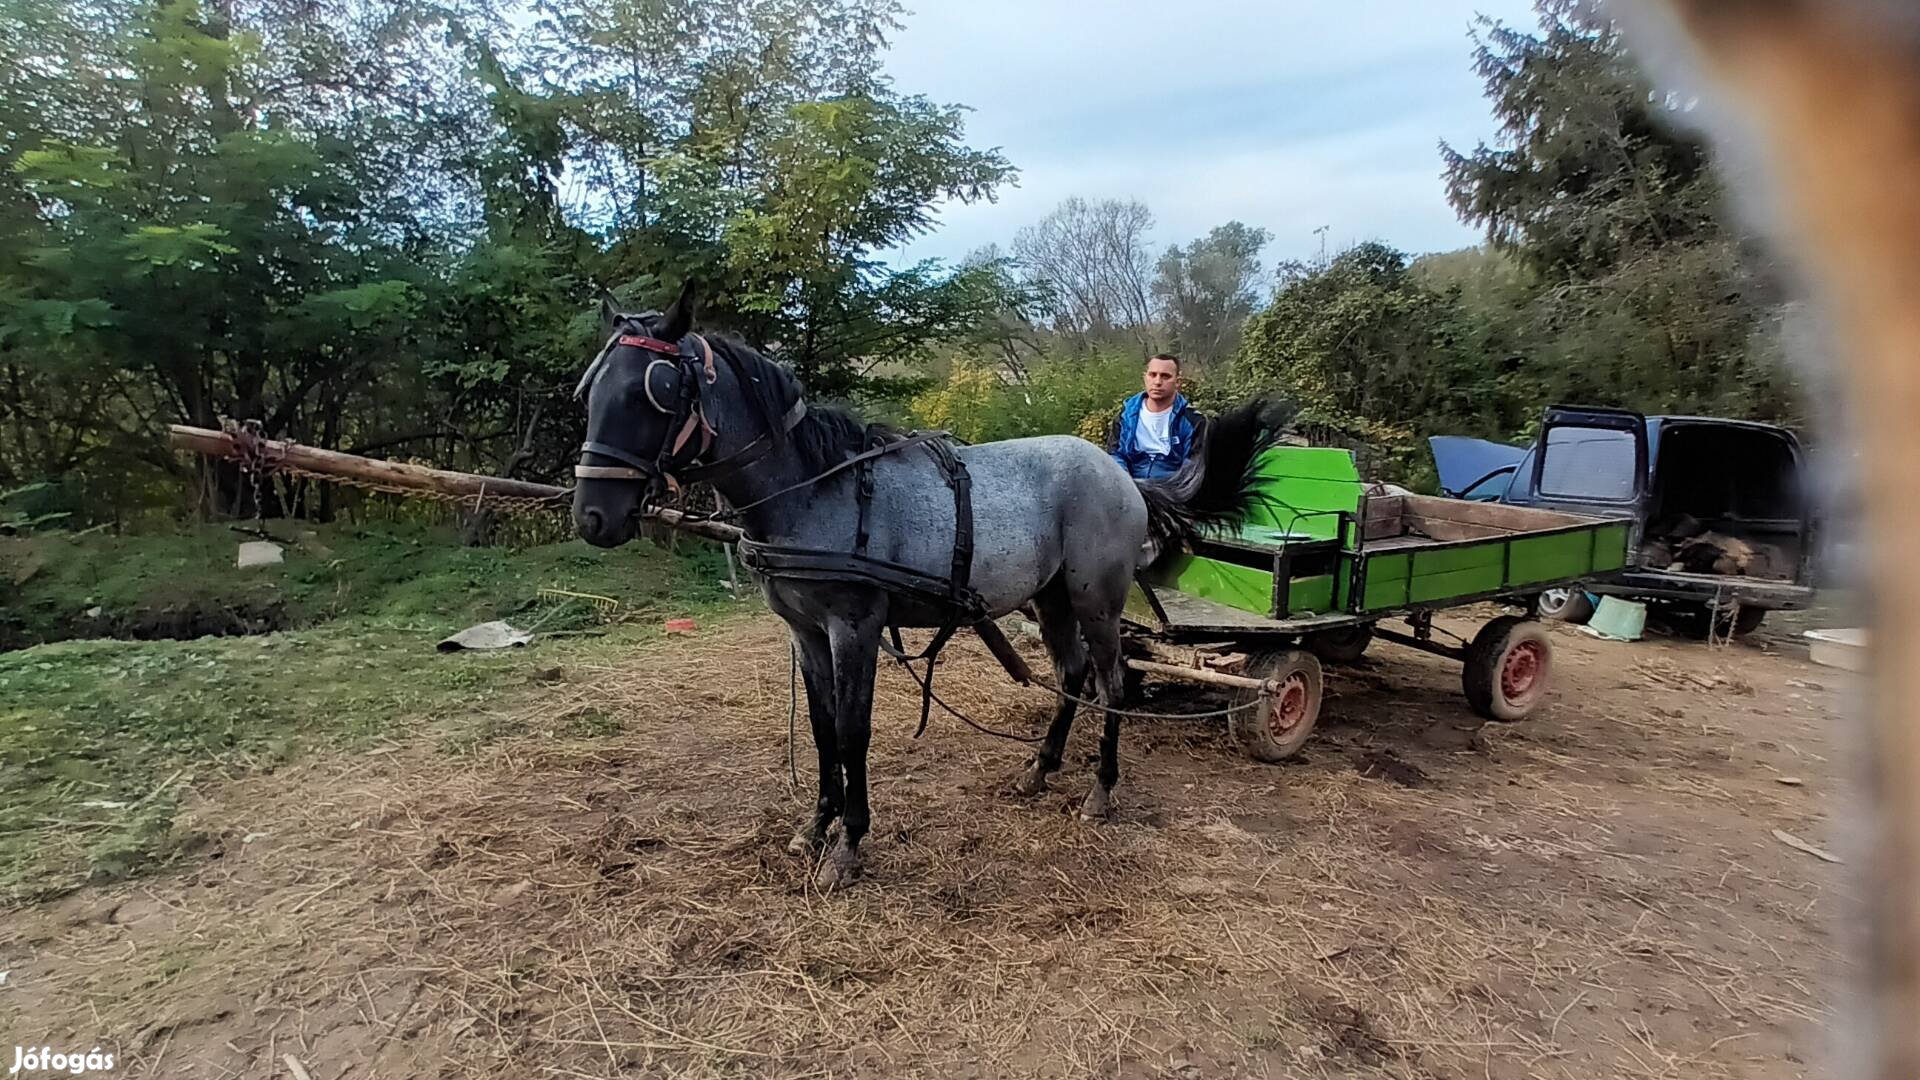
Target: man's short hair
pixel 1169 357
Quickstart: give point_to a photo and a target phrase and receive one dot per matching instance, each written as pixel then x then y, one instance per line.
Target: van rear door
pixel 1591 461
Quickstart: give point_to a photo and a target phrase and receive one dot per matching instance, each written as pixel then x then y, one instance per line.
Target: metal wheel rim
pixel 1521 671
pixel 1555 601
pixel 1289 706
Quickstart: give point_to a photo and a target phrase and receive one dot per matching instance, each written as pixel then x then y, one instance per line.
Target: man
pixel 1156 429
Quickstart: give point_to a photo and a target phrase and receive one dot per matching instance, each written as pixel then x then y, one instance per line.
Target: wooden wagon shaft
pixel 420 478
pixel 1196 675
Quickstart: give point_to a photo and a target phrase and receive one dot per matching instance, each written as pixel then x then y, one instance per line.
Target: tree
pixel 1646 297
pixel 1370 356
pixel 1090 260
pixel 377 225
pixel 754 145
pixel 1206 290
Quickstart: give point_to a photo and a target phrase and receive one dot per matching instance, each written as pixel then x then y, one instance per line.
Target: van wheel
pixel 1564 605
pixel 1696 620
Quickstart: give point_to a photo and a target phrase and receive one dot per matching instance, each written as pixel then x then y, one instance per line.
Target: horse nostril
pixel 592 520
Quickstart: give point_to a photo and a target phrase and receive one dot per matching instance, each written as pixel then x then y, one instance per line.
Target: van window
pixel 1589 464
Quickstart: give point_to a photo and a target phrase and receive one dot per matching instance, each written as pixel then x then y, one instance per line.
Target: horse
pixel 1056 525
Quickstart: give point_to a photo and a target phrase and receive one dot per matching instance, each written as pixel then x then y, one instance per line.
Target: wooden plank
pixel 1513 519
pixel 1195 675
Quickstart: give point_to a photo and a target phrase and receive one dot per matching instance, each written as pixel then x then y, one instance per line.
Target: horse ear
pixel 678 320
pixel 609 315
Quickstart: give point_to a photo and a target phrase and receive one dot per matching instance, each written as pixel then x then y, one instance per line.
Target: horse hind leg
pixel 1103 642
pixel 1060 630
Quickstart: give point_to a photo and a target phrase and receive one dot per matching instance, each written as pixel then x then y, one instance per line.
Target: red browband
pixel 650 344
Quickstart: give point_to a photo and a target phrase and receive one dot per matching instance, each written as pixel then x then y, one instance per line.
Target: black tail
pixel 1215 487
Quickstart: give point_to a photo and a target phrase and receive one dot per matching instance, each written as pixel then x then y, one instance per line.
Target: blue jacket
pixel 1144 466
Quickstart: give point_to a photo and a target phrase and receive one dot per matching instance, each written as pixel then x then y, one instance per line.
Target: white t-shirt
pixel 1150 435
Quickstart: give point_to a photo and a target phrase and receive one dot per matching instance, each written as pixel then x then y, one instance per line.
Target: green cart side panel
pixel 1305 488
pixel 1386 583
pixel 1549 558
pixel 1240 587
pixel 1610 547
pixel 1423 577
pixel 1244 587
pixel 1138 608
pixel 1311 595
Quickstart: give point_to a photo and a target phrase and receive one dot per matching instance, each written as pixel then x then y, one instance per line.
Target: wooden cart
pixel 1321 563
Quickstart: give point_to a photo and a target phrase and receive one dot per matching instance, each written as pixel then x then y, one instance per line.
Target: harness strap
pixel 639 467
pixel 931 654
pixel 863 491
pixel 810 564
pixel 749 453
pixel 962 484
pixel 918 438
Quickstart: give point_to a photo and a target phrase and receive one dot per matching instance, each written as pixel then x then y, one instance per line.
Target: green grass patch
pixel 183 584
pixel 101 740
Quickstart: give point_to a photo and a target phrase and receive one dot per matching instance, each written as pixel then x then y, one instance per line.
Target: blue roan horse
pixel 1054 521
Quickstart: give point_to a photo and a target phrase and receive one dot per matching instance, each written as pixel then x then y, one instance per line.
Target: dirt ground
pixel 1596 892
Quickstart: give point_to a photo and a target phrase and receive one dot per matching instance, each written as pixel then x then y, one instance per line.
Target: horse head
pixel 644 420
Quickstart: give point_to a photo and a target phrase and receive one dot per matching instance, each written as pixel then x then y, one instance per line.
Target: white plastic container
pixel 1845 649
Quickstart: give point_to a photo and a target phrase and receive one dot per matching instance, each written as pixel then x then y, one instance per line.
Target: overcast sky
pixel 1285 114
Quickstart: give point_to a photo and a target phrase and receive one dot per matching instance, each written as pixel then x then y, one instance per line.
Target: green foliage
pixel 1369 354
pixel 1646 296
pixel 380 226
pixel 1073 393
pixel 1206 290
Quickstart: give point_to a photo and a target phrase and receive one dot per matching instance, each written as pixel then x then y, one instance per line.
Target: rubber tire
pixel 1487 656
pixel 1345 645
pixel 1575 608
pixel 1249 726
pixel 1696 621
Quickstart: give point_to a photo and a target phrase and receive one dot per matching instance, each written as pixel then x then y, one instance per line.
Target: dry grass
pixel 552 905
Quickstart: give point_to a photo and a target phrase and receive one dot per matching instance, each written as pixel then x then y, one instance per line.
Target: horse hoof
pixel 1099 805
pixel 838 870
pixel 1031 782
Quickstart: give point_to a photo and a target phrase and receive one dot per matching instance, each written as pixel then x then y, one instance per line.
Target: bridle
pixel 676 461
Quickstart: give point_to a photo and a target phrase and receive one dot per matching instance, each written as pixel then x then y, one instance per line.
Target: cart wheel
pixel 1277 723
pixel 1342 646
pixel 1508 666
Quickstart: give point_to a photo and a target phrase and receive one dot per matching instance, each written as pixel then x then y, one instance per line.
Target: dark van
pixel 1722 519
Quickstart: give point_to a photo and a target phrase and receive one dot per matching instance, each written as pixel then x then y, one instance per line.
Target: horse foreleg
pixel 816 667
pixel 856 645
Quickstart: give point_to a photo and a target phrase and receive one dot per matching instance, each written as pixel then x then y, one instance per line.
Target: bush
pixel 1068 395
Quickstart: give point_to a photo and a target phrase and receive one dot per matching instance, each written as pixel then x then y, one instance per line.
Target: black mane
pixel 825 437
